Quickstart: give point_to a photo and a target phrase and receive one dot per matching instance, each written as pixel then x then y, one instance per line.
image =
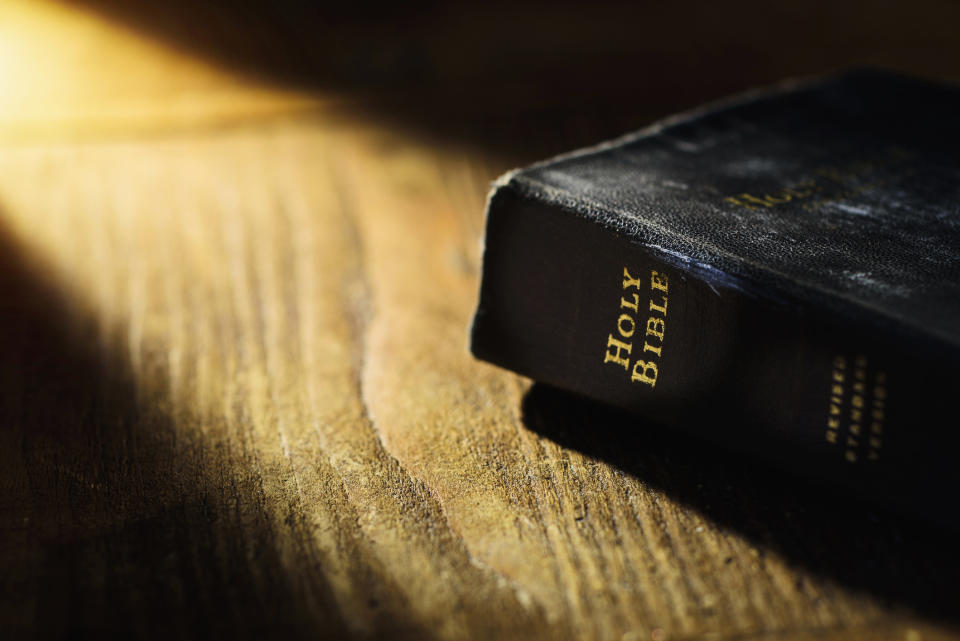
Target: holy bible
pixel 778 273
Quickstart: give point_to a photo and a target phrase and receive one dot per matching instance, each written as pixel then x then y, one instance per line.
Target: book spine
pixel 572 304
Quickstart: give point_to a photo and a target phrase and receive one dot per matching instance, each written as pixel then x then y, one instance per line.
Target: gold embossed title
pixel 619 351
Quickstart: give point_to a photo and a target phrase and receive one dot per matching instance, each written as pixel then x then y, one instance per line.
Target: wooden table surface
pixel 236 398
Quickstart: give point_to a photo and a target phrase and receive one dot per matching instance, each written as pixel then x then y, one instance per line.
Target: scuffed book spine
pixel 569 302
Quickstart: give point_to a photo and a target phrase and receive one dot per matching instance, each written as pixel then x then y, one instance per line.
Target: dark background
pixel 484 71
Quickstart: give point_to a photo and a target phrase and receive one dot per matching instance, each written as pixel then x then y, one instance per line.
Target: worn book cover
pixel 778 272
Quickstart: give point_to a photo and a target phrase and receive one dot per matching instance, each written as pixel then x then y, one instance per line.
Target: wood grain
pixel 237 396
pixel 236 401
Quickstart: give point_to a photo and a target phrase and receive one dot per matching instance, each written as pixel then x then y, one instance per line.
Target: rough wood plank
pixel 237 398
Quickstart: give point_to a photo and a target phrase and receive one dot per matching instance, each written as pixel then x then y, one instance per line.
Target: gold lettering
pixel 642 373
pixel 876 427
pixel 619 350
pixel 802 190
pixel 658 281
pixel 630 281
pixel 617 357
pixel 660 309
pixel 632 326
pixel 754 199
pixel 635 305
pixel 647 347
pixel 737 201
pixel 655 327
pixel 783 198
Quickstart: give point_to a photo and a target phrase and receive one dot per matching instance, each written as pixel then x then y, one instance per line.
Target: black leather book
pixel 779 273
